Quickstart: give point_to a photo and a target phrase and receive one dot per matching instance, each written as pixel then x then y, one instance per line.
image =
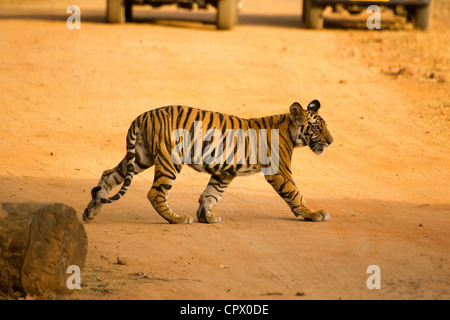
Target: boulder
pixel 38 242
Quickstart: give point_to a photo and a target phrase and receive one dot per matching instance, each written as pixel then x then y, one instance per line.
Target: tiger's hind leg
pixel 165 175
pixel 109 179
pixel 114 177
pixel 209 198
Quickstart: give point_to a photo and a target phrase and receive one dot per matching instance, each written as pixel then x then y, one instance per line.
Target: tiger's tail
pixel 131 156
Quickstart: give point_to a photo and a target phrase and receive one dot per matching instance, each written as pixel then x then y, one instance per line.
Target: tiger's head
pixel 308 128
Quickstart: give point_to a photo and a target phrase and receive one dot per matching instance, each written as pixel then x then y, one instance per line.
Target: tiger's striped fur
pixel 149 143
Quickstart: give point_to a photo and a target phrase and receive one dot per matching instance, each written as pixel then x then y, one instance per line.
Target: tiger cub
pixel 224 146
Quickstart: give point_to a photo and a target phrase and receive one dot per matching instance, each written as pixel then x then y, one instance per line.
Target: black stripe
pixel 161 186
pixel 127 182
pixel 197 117
pixel 94 191
pixel 188 113
pixel 171 112
pixel 210 195
pixel 211 118
pixel 117 180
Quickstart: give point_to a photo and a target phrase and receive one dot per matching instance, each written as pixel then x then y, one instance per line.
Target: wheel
pixel 422 19
pixel 410 15
pixel 238 10
pixel 226 14
pixel 312 15
pixel 128 10
pixel 304 12
pixel 115 11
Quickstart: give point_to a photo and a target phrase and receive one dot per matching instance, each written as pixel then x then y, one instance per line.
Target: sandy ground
pixel 67 98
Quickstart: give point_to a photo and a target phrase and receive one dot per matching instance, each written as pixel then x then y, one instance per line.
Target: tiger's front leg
pixel 212 194
pixel 285 186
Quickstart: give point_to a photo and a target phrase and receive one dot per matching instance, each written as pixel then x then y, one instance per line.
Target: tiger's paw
pixel 205 215
pixel 183 219
pixel 210 218
pixel 316 216
pixel 88 215
pixel 91 211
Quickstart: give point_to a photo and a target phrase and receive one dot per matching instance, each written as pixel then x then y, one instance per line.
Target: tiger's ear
pixel 296 110
pixel 314 106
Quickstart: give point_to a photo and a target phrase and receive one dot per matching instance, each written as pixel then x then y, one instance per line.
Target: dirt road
pixel 67 98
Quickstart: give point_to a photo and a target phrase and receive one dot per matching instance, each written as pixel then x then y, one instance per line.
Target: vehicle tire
pixel 304 9
pixel 410 14
pixel 238 11
pixel 128 10
pixel 115 11
pixel 422 19
pixel 312 15
pixel 226 14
